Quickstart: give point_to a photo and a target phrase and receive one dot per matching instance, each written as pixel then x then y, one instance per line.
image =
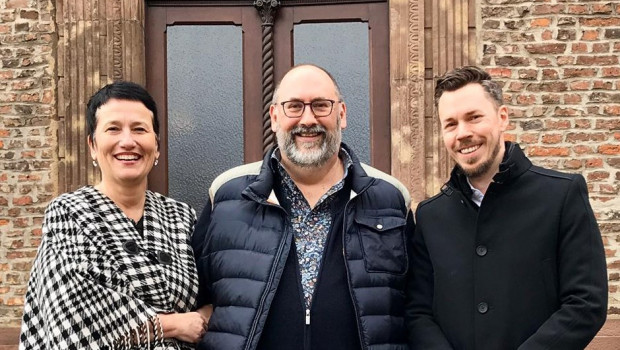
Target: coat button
pixel 379 227
pixel 483 308
pixel 481 250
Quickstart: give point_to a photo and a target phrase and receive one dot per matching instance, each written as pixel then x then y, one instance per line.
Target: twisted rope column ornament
pixel 267 10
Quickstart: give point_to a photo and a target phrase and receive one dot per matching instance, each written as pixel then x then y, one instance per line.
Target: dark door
pixel 206 68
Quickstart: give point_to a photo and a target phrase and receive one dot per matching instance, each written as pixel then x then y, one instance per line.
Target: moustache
pixel 315 129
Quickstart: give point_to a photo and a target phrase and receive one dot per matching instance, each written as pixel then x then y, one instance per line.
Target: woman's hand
pixel 188 327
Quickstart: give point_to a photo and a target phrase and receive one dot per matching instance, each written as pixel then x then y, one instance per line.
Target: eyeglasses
pixel 320 108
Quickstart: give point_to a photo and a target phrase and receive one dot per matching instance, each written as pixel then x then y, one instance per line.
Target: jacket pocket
pixel 383 242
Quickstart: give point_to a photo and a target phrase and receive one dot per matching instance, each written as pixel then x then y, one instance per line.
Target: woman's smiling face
pixel 124 143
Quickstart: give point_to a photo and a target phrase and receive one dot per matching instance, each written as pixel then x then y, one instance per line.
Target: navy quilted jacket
pixel 242 241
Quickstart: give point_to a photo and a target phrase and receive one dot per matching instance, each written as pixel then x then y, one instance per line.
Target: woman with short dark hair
pixel 115 269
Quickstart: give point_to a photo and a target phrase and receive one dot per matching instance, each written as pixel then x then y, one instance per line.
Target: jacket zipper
pixel 303 296
pixel 303 300
pixel 346 267
pixel 269 281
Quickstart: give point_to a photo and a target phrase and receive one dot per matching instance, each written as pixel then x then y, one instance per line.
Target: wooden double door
pixel 213 65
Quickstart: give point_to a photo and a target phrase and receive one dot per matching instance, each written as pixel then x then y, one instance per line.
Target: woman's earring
pixel 94 163
pixel 156 161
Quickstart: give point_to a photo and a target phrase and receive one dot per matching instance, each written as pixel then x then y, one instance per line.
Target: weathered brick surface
pixel 558 61
pixel 27 142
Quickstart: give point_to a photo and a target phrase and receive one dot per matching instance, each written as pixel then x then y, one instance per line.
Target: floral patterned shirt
pixel 310 225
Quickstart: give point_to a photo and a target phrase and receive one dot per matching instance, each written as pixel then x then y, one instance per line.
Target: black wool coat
pixel 526 270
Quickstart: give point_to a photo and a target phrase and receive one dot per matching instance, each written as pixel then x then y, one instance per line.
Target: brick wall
pixel 559 62
pixel 27 141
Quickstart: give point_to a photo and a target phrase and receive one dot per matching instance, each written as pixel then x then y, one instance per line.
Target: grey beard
pixel 329 145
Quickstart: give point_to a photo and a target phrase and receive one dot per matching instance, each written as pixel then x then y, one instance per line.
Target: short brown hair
pixel 459 77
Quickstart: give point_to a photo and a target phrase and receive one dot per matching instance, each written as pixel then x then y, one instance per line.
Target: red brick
pixel 572 164
pixel 516 86
pixel 597 60
pixel 565 60
pixel 590 35
pixel 582 123
pixel 579 48
pixel 577 9
pixel 554 87
pixel 510 137
pixel 602 85
pixel 601 9
pixel 600 47
pixel 612 109
pixel 526 99
pixel 557 124
pixel 581 149
pixel 528 138
pixel 499 72
pixel 572 98
pixel 609 149
pixel 610 72
pixel 550 74
pixel 594 163
pixel 580 85
pixel 579 72
pixel 598 22
pixel 25 200
pixel 552 138
pixel 529 74
pixel 598 176
pixel 576 137
pixel 538 151
pixel 560 111
pixel 14 4
pixel 540 22
pixel 608 189
pixel 547 9
pixel 545 62
pixel 23 85
pixel 551 98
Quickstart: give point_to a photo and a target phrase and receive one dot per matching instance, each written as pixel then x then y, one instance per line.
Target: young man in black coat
pixel 508 255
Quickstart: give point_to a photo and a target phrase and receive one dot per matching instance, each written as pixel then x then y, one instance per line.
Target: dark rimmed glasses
pixel 320 107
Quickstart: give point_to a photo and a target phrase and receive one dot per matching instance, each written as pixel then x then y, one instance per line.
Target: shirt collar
pixel 476 195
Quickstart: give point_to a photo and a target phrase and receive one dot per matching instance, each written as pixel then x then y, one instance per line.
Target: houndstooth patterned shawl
pixel 87 291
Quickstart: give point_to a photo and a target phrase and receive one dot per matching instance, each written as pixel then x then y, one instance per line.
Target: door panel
pixel 375 15
pixel 159 20
pixel 204 139
pixel 316 43
pixel 205 66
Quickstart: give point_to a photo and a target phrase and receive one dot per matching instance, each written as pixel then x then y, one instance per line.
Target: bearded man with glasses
pixel 307 249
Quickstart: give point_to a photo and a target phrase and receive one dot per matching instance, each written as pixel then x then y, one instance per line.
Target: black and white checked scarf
pixel 87 291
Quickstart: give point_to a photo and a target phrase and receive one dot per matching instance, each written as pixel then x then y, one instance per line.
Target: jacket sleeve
pixel 199 243
pixel 582 278
pixel 424 332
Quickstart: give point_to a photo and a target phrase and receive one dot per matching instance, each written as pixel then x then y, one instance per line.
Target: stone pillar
pixel 99 41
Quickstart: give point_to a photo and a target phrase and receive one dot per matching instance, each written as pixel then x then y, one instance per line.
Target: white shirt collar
pixel 476 195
